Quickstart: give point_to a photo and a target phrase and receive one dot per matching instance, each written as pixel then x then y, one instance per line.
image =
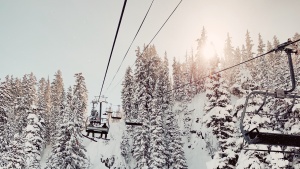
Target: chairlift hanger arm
pixel 266 93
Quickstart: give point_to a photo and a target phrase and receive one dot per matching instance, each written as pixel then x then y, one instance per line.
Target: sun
pixel 212 47
pixel 208 50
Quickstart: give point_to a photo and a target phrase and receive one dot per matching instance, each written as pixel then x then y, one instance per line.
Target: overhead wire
pixel 154 36
pixel 112 49
pixel 131 44
pixel 273 50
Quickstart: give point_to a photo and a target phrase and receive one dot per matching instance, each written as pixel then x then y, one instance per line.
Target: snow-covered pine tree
pixel 138 149
pixel 5 110
pixel 127 92
pixel 26 101
pixel 58 156
pixel 262 65
pixel 249 55
pixel 57 90
pixel 29 89
pixel 47 110
pixel 157 139
pixel 68 151
pixel 15 156
pixel 218 117
pixel 130 113
pixel 201 61
pixel 236 70
pixel 174 145
pixel 193 74
pixel 229 60
pixel 127 98
pixel 40 94
pixel 33 141
pixel 186 98
pixel 79 100
pixel 78 114
pixel 177 80
pixel 145 80
pixel 297 61
pixel 174 151
pixel 42 105
pixel 125 147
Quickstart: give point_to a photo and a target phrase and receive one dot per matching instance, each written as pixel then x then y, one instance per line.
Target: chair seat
pixel 97 129
pixel 115 117
pixel 255 137
pixel 133 124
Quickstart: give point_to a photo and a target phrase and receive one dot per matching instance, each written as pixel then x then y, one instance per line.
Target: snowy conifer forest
pixel 190 112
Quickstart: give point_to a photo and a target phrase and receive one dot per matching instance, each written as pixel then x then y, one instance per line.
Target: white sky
pixel 76 36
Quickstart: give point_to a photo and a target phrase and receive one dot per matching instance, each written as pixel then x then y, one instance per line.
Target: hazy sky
pixel 76 36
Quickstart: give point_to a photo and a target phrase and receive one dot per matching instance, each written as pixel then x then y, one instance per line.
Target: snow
pixel 45 154
pixel 34 117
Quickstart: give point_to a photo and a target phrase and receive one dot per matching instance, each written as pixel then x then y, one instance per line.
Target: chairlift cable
pixel 273 50
pixel 130 44
pixel 112 49
pixel 154 36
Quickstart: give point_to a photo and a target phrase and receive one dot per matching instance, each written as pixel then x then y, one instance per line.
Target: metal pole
pixel 289 51
pixel 100 112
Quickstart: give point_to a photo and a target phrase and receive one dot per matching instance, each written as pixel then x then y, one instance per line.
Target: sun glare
pixel 212 47
pixel 208 50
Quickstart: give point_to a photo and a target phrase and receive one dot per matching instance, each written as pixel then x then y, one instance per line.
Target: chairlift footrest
pixel 255 137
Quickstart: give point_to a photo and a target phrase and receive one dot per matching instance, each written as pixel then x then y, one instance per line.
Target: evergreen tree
pixel 177 80
pixel 79 100
pixel 237 59
pixel 57 90
pixel 125 147
pixel 201 60
pixel 130 113
pixel 27 101
pixel 145 78
pixel 175 152
pixel 185 100
pixel 15 156
pixel 157 141
pixel 249 55
pixel 47 109
pixel 41 104
pixel 5 110
pixel 78 112
pixel 219 118
pixel 127 98
pixel 297 61
pixel 262 76
pixel 68 151
pixel 229 59
pixel 33 142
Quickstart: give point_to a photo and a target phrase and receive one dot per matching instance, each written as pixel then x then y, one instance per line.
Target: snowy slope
pixel 106 149
pixel 195 152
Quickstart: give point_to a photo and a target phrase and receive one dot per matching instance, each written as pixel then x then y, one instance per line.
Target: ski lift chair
pixel 254 136
pixel 117 114
pixel 94 125
pixel 108 110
